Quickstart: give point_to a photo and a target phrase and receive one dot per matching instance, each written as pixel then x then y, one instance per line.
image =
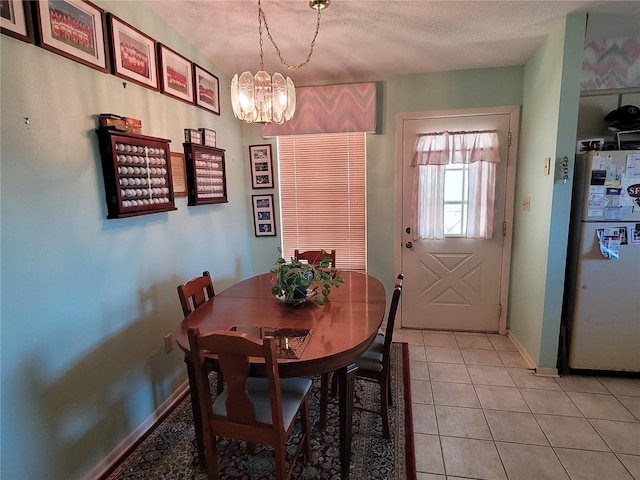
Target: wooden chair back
pixel 391 318
pixel 239 419
pixel 314 257
pixel 195 292
pixel 234 350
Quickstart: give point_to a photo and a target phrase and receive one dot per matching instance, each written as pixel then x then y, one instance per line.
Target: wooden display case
pixel 206 175
pixel 137 173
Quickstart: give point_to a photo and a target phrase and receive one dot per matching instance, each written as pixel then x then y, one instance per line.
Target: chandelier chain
pixel 262 18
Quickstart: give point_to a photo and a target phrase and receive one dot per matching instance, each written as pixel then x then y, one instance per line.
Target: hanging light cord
pixel 263 18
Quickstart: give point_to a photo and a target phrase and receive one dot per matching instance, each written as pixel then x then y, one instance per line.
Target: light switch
pixel 547 166
pixel 526 203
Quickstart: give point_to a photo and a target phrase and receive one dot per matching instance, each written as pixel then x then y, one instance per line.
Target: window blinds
pixel 322 196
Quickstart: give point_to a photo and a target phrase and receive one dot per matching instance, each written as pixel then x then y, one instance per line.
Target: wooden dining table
pixel 340 330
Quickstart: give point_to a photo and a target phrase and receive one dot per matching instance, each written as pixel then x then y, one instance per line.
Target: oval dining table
pixel 342 329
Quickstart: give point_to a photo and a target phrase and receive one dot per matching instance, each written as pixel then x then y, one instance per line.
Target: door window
pixel 456 199
pixel 454 184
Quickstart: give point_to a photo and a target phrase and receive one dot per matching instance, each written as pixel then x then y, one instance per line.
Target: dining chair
pixel 315 256
pixel 258 410
pixel 195 292
pixel 374 365
pixel 192 295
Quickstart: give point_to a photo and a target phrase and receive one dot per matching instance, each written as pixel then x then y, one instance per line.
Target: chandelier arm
pixel 263 18
pixel 260 13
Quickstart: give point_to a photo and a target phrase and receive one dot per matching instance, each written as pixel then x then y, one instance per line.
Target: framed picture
pixel 178 174
pixel 263 219
pixel 176 74
pixel 261 166
pixel 206 89
pixel 74 29
pixel 15 19
pixel 133 53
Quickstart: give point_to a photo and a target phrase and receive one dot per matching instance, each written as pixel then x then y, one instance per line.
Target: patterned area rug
pixel 169 451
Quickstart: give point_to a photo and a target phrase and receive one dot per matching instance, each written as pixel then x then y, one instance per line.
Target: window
pixel 454 184
pixel 322 195
pixel 456 199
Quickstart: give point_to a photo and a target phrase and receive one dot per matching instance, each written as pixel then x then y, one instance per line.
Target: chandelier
pixel 262 98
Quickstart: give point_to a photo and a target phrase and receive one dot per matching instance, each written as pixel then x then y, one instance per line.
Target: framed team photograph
pixel 176 74
pixel 133 53
pixel 263 217
pixel 261 166
pixel 15 19
pixel 74 29
pixel 206 89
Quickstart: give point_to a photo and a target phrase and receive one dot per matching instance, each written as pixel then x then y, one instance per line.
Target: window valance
pixel 456 147
pixel 330 109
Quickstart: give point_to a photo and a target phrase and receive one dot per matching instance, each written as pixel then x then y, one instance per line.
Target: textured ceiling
pixel 374 39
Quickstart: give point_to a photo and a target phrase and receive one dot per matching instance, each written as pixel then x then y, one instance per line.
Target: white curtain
pixel 433 151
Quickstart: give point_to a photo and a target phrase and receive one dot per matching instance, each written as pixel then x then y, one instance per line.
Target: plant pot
pixel 301 290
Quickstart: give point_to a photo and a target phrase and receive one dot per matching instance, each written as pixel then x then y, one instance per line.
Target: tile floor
pixel 479 413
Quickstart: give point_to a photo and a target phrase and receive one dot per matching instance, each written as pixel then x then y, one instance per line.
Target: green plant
pixel 295 282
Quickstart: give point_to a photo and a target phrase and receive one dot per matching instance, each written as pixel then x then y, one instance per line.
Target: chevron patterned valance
pixel 611 63
pixel 330 109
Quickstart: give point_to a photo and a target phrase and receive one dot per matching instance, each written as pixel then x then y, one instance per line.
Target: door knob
pixel 408 229
pixel 408 244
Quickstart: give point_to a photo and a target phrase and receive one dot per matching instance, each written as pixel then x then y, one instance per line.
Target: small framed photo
pixel 133 54
pixel 178 174
pixel 263 219
pixel 176 74
pixel 15 19
pixel 206 89
pixel 261 166
pixel 74 29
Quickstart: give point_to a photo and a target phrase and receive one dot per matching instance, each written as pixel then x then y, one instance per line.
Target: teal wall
pixel 560 212
pixel 549 120
pixel 86 302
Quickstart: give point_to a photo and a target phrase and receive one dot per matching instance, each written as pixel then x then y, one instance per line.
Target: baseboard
pixel 547 372
pixel 531 363
pixel 113 458
pixel 523 351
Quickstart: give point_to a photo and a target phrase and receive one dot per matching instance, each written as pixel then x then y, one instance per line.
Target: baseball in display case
pixel 206 176
pixel 137 173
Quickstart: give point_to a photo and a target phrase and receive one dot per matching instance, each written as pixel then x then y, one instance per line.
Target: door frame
pixel 514 122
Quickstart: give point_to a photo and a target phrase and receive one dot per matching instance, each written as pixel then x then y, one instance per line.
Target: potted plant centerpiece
pixel 296 282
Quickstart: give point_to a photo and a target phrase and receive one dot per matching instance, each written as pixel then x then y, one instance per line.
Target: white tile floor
pixel 479 413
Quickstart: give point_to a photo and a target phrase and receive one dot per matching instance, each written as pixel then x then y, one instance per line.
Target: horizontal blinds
pixel 322 195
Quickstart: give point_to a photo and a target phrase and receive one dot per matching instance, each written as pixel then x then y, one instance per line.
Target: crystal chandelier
pixel 262 98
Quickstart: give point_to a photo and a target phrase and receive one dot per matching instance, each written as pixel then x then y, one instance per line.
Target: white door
pixel 458 283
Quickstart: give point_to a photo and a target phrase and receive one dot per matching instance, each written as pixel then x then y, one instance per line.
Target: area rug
pixel 169 451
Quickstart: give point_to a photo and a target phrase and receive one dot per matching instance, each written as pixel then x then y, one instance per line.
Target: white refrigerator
pixel 602 295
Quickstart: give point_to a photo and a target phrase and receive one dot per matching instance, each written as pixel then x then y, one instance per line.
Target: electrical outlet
pixel 526 203
pixel 168 343
pixel 547 166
